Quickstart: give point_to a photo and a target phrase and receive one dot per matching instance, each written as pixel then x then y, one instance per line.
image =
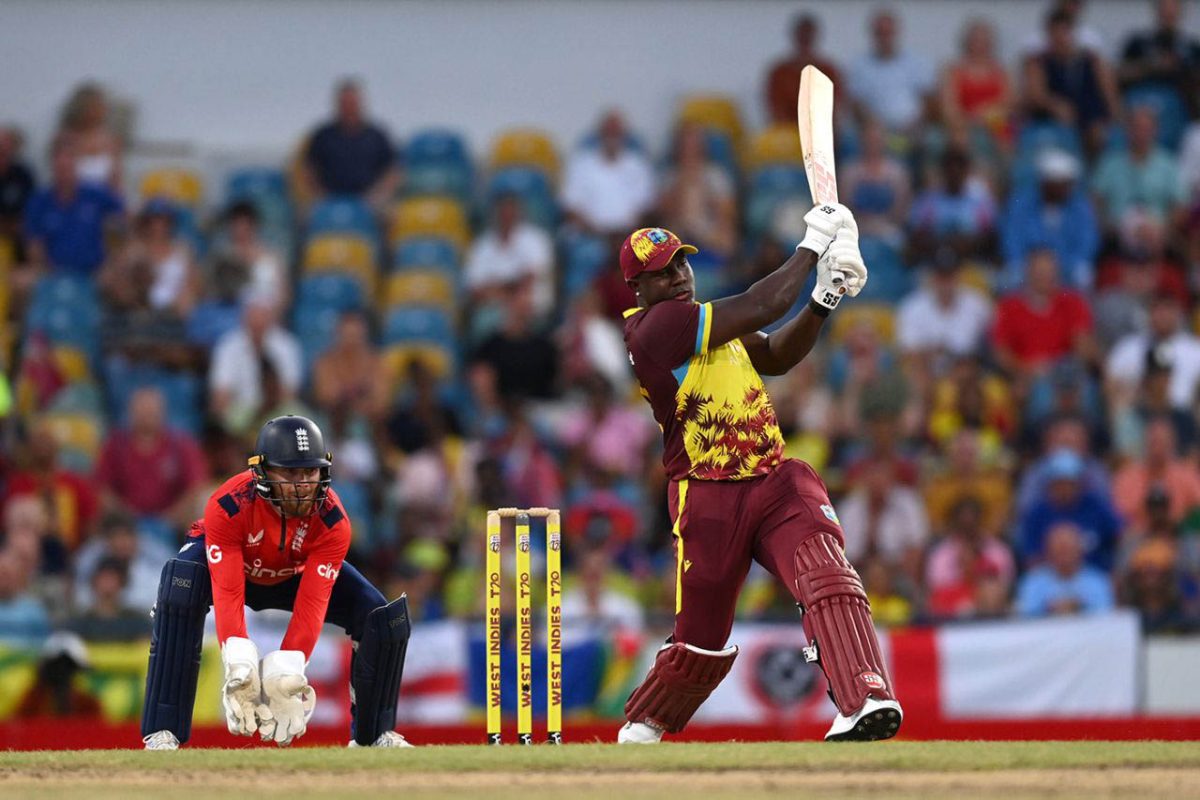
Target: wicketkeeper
pixel 733 496
pixel 274 536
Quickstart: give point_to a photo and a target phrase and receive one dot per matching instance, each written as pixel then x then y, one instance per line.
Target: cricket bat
pixel 814 116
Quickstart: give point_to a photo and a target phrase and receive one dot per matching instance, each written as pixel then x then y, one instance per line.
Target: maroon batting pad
pixel 837 619
pixel 681 679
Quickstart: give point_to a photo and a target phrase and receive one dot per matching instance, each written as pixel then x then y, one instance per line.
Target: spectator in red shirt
pixel 1042 322
pixel 69 498
pixel 148 469
pixel 783 80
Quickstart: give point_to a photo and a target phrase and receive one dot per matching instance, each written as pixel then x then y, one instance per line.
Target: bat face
pixel 814 115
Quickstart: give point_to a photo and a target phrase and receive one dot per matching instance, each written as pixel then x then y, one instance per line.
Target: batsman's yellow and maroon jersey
pixel 716 418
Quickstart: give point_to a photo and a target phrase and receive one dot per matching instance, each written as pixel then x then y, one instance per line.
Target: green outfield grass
pixel 923 770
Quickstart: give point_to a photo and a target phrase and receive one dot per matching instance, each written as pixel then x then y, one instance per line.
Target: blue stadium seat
pixel 769 187
pixel 356 500
pixel 890 280
pixel 583 258
pixel 65 310
pixel 532 186
pixel 314 326
pixel 343 215
pixel 411 324
pixel 437 162
pixel 426 253
pixel 1169 108
pixel 211 320
pixel 436 145
pixel 330 290
pixel 255 183
pixel 182 392
pixel 720 151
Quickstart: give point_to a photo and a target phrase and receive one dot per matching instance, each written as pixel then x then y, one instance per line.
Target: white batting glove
pixel 824 222
pixel 289 698
pixel 240 695
pixel 840 272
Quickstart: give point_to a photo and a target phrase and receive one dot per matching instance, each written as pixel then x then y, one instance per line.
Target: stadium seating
pixel 179 185
pixel 715 112
pixel 331 290
pixel 1169 109
pixel 721 152
pixel 422 217
pixel 778 144
pixel 582 258
pixel 426 253
pixel 437 162
pixel 79 435
pixel 534 189
pixel 351 256
pixel 182 392
pixel 770 187
pixel 347 216
pixel 423 287
pixel 525 147
pixel 881 317
pixel 890 280
pixel 419 332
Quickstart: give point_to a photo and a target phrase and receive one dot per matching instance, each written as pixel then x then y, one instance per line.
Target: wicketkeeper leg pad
pixel 837 619
pixel 376 669
pixel 683 676
pixel 184 597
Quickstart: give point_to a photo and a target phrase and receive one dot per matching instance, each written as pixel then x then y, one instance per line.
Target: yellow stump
pixel 524 634
pixel 493 628
pixel 554 688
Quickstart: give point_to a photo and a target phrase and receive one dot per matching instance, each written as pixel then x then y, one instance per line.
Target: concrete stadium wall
pixel 242 75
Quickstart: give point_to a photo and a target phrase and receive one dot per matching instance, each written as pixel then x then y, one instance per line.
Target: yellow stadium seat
pixel 778 144
pixel 72 363
pixel 881 318
pixel 713 111
pixel 422 287
pixel 353 252
pixel 437 360
pixel 78 432
pixel 525 147
pixel 179 185
pixel 440 217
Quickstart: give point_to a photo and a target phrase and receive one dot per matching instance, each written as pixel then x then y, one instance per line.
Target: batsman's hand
pixel 825 221
pixel 289 699
pixel 840 271
pixel 240 695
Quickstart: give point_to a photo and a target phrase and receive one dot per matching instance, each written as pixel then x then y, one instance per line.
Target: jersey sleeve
pixel 673 331
pixel 223 549
pixel 321 569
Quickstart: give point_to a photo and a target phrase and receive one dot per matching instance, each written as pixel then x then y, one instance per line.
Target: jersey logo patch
pixel 830 514
pixel 255 538
pixel 686 565
pixel 302 440
pixel 228 504
pixel 327 571
pixel 214 554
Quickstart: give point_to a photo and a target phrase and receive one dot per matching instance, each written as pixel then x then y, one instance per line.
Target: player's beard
pixel 298 507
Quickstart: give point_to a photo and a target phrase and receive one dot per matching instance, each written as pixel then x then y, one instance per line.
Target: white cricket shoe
pixel 638 733
pixel 877 719
pixel 386 739
pixel 161 740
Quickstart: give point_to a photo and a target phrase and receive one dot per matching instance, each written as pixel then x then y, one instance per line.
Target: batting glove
pixel 240 693
pixel 840 272
pixel 825 221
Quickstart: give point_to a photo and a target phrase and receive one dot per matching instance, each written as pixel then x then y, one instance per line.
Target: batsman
pixel 733 497
pixel 274 536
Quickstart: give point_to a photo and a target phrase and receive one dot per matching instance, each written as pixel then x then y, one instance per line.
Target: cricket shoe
pixel 386 739
pixel 639 733
pixel 161 740
pixel 877 719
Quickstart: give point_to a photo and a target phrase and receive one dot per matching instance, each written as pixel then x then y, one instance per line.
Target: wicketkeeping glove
pixel 824 222
pixel 240 695
pixel 289 698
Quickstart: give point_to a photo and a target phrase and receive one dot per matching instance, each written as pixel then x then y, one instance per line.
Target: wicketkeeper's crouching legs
pixel 376 667
pixel 842 640
pixel 184 597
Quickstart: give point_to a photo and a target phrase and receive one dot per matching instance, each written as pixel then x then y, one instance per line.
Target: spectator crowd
pixel 1006 417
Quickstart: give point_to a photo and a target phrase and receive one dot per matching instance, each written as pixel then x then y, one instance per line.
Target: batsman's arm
pixel 765 301
pixel 777 352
